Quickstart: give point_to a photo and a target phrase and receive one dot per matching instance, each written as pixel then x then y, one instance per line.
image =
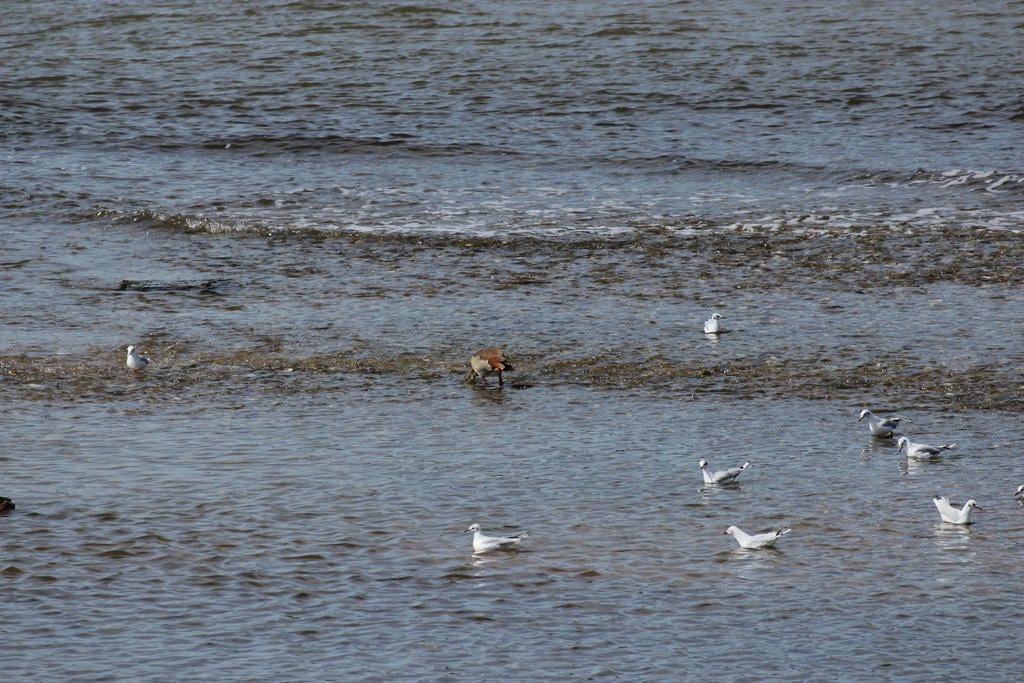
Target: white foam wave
pixel 990 180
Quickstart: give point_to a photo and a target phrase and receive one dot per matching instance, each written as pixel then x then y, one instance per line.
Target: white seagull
pixel 757 541
pixel 711 325
pixel 922 451
pixel 879 426
pixel 722 476
pixel 953 514
pixel 1020 492
pixel 484 544
pixel 135 361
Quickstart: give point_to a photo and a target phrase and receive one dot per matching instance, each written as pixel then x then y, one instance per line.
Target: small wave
pixel 987 181
pixel 457 229
pixel 201 286
pixel 263 145
pixel 678 163
pixel 406 10
pixel 990 181
pixel 180 222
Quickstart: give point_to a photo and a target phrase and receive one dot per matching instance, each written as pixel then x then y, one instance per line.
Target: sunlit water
pixel 320 538
pixel 310 216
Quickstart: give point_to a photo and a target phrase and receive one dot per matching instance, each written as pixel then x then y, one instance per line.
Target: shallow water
pixel 310 215
pixel 321 539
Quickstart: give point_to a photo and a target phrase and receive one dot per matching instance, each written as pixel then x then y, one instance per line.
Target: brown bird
pixel 487 362
pixel 6 504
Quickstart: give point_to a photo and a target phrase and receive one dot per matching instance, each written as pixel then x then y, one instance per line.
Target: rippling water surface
pixel 309 215
pixel 320 539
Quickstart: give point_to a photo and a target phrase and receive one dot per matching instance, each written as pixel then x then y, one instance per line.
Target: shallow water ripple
pixel 237 554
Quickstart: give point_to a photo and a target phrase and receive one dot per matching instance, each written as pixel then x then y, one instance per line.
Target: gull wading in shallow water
pixel 757 541
pixel 711 325
pixel 134 360
pixel 485 544
pixel 953 514
pixel 879 426
pixel 722 476
pixel 487 362
pixel 922 451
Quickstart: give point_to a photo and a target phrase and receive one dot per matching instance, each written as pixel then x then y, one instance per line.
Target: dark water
pixel 310 214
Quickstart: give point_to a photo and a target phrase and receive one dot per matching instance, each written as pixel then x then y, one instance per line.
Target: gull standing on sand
pixel 484 544
pixel 922 451
pixel 757 541
pixel 711 325
pixel 879 426
pixel 953 514
pixel 487 362
pixel 134 360
pixel 721 476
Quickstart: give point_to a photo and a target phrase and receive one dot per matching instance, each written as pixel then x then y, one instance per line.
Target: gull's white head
pixel 971 505
pixel 864 413
pixel 704 463
pixel 731 530
pixel 472 527
pixel 1020 490
pixel 902 441
pixel 131 348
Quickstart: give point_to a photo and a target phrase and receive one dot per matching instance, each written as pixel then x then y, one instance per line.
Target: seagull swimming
pixel 487 362
pixel 711 325
pixel 922 451
pixel 485 544
pixel 879 426
pixel 1020 491
pixel 722 476
pixel 135 361
pixel 757 541
pixel 953 514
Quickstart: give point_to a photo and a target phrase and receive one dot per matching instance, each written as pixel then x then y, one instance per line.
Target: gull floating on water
pixel 487 362
pixel 484 544
pixel 922 451
pixel 711 325
pixel 879 426
pixel 722 476
pixel 1020 491
pixel 757 541
pixel 953 514
pixel 135 361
